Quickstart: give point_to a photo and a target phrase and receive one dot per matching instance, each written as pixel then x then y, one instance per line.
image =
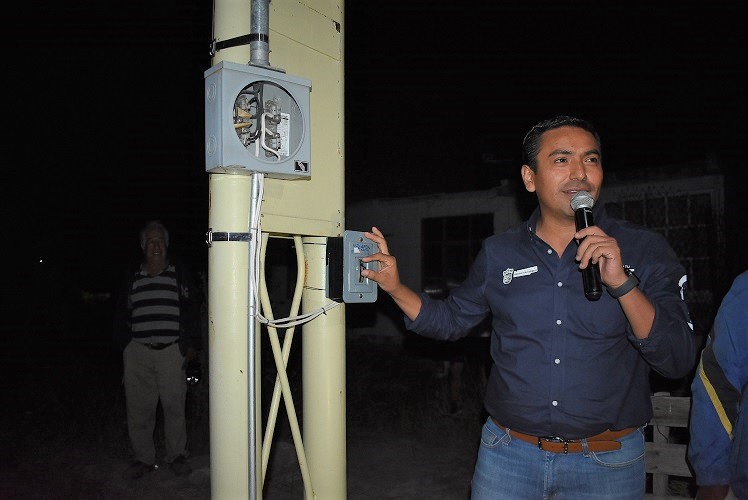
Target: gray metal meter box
pixel 256 120
pixel 344 266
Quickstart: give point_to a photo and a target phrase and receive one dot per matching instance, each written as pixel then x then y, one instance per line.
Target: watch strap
pixel 628 285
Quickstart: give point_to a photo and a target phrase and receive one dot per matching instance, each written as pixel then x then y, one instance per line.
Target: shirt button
pixel 549 251
pixel 559 284
pixel 558 321
pixel 557 361
pixel 554 403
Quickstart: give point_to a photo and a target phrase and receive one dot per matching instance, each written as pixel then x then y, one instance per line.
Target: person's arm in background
pixel 709 446
pixel 716 393
pixel 388 278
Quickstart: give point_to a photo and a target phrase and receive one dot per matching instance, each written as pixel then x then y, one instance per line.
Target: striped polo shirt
pixel 155 306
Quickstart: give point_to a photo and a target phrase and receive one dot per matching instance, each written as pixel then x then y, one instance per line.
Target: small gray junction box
pixel 344 266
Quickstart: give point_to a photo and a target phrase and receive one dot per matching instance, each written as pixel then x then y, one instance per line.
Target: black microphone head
pixel 582 200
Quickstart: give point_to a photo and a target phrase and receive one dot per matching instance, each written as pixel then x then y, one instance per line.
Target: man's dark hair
pixel 531 143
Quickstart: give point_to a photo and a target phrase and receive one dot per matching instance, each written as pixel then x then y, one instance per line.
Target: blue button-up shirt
pixel 563 365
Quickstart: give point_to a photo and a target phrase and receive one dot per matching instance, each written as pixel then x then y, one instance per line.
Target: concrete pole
pixel 323 371
pixel 311 207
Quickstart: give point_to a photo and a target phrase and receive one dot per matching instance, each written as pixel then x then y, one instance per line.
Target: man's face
pixel 568 162
pixel 155 244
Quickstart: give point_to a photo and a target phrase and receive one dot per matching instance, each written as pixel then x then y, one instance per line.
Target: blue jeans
pixel 509 468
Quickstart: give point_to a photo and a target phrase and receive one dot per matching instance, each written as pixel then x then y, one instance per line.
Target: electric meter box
pixel 256 120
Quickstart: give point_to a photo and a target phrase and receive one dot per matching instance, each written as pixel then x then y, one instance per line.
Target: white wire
pixel 297 320
pixel 255 230
pixel 266 133
pixel 255 233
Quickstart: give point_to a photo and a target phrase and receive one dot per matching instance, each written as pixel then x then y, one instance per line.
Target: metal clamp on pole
pixel 215 46
pixel 211 236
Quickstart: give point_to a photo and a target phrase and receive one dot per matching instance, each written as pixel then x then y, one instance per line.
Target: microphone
pixel 582 204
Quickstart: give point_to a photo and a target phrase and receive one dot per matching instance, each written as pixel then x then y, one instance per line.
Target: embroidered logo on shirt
pixel 511 273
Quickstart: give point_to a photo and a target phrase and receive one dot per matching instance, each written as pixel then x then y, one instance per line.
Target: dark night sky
pixel 663 83
pixel 105 102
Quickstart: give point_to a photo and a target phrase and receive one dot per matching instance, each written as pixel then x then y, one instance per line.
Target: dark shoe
pixel 138 469
pixel 180 467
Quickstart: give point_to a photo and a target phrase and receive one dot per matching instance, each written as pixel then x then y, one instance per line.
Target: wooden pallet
pixel 665 456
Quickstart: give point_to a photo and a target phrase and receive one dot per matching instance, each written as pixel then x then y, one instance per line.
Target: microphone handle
pixel 593 286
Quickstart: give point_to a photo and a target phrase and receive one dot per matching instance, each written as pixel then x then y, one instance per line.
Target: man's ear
pixel 528 177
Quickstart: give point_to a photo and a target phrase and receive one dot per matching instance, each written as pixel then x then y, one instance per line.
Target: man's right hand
pixel 388 278
pixel 387 275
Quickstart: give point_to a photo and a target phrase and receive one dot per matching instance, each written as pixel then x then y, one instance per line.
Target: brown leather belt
pixel 605 441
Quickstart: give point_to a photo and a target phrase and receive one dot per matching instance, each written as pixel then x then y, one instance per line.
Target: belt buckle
pixel 555 439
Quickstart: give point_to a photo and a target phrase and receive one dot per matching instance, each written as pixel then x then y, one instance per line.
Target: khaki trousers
pixel 149 376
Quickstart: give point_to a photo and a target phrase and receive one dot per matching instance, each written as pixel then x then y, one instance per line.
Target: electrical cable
pixel 255 231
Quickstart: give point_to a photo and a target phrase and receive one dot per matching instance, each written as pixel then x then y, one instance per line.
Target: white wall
pixel 400 221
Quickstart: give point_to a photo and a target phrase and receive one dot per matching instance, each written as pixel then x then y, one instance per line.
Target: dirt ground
pixel 64 434
pixel 411 434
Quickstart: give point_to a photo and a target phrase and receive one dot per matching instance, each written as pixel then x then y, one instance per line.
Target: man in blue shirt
pixel 718 448
pixel 568 395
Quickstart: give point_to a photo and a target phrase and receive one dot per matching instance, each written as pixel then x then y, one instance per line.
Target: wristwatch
pixel 626 287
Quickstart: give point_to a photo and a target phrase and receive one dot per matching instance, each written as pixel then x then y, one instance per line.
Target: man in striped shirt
pixel 157 326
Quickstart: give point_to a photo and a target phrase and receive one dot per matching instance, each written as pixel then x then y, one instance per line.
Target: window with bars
pixel 687 221
pixel 692 226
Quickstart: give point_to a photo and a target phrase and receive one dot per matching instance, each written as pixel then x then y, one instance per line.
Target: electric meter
pixel 256 120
